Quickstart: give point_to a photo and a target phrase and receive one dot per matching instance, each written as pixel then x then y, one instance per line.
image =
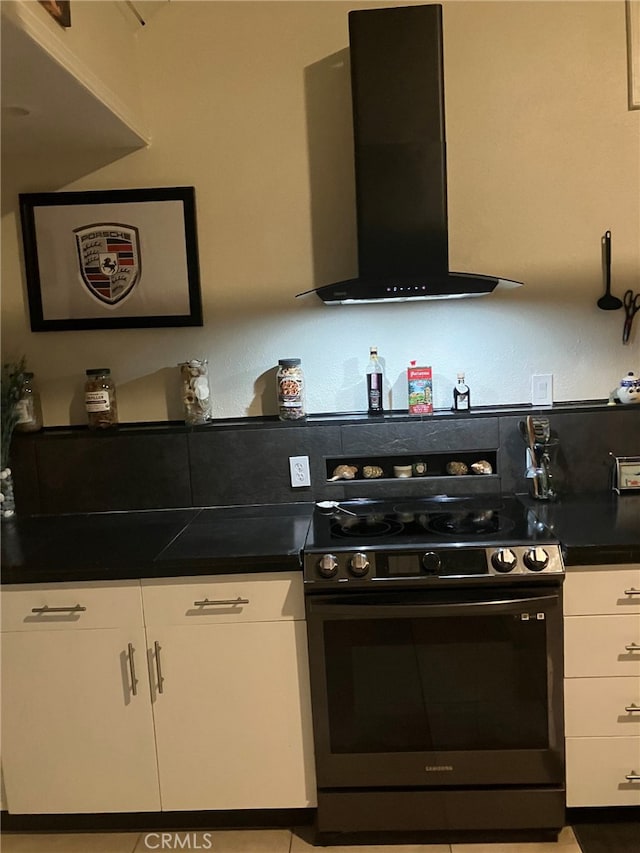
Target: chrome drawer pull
pixel 632 591
pixel 633 647
pixel 230 601
pixel 157 647
pixel 132 670
pixel 633 709
pixel 633 777
pixel 74 608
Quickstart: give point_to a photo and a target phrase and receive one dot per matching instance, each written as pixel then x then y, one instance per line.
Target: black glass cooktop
pixel 464 520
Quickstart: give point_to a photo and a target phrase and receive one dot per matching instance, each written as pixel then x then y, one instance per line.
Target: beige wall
pixel 247 101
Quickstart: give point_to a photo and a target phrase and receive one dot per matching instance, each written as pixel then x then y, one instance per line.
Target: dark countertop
pixel 154 543
pixel 593 529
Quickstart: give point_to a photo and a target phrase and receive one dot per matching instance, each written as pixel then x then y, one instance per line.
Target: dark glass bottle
pixel 374 383
pixel 461 395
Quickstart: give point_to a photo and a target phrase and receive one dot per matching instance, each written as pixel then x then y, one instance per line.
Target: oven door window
pixel 422 684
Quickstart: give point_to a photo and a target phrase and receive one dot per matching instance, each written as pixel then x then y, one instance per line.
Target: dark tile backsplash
pixel 247 462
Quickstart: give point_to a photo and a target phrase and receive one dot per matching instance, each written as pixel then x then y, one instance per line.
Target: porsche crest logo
pixel 109 258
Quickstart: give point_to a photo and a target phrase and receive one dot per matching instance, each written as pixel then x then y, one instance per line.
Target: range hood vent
pixel 397 83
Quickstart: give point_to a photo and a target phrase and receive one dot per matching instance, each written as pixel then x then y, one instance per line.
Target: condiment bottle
pixel 461 395
pixel 374 383
pixel 100 398
pixel 28 407
pixel 290 382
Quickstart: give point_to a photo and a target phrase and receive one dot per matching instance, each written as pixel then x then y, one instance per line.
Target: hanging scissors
pixel 631 307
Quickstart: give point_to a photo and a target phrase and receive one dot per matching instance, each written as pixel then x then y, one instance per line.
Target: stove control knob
pixel 359 565
pixel 431 562
pixel 536 560
pixel 504 560
pixel 328 565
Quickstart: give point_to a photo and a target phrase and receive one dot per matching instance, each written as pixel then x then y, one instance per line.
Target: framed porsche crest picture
pixel 109 259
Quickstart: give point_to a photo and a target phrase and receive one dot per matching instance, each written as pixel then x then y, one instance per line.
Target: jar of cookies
pixel 290 382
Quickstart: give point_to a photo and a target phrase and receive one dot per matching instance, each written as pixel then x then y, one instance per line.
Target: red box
pixel 420 384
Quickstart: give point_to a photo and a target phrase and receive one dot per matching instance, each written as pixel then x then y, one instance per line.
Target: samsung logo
pixel 431 767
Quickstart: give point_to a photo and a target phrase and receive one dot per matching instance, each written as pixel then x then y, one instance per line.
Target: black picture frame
pixel 111 259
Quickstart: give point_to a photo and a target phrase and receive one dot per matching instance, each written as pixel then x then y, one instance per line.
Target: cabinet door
pixel 601 771
pixel 596 707
pixel 233 720
pixel 75 738
pixel 602 589
pixel 601 645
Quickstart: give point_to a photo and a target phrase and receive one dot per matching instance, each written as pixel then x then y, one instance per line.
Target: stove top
pixel 476 536
pixel 448 521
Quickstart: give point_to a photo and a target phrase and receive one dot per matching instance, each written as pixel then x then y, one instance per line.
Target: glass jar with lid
pixel 290 382
pixel 100 398
pixel 28 408
pixel 196 396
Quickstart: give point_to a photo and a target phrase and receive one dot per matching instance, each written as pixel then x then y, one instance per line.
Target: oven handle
pixel 345 607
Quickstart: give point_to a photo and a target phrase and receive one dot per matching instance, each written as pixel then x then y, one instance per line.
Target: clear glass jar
pixel 28 408
pixel 196 396
pixel 290 382
pixel 100 398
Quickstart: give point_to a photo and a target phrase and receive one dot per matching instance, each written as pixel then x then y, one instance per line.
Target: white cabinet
pixel 232 712
pixel 77 735
pixel 220 717
pixel 602 685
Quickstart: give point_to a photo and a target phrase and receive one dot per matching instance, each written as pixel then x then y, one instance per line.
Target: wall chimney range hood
pixel 397 83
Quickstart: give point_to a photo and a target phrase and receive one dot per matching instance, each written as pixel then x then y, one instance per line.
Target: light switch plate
pixel 542 389
pixel 299 470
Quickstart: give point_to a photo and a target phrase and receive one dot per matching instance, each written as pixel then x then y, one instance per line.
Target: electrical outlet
pixel 542 389
pixel 299 469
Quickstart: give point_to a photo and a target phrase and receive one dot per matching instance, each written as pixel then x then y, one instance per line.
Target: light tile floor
pixel 245 841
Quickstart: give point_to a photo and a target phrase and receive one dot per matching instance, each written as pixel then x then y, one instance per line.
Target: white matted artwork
pixel 111 259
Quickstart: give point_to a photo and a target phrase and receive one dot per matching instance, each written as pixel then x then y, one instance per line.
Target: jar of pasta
pixel 290 382
pixel 100 398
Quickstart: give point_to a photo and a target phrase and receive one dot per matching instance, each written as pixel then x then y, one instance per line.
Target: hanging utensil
pixel 631 308
pixel 608 302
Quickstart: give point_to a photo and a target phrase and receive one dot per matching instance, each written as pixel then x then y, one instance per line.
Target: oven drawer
pixel 597 771
pixel 602 706
pixel 220 599
pixel 69 606
pixel 601 645
pixel 602 590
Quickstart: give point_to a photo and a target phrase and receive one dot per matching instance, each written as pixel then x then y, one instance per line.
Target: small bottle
pixel 461 395
pixel 100 399
pixel 374 383
pixel 28 408
pixel 290 382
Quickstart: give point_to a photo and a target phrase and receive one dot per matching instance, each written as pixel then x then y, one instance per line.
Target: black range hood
pixel 397 83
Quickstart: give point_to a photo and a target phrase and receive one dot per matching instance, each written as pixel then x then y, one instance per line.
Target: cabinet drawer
pixel 597 645
pixel 220 599
pixel 597 707
pixel 64 606
pixel 602 590
pixel 597 769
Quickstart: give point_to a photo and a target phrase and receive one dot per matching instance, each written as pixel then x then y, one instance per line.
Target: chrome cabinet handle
pixel 632 591
pixel 633 777
pixel 74 608
pixel 157 648
pixel 633 647
pixel 132 671
pixel 633 709
pixel 229 601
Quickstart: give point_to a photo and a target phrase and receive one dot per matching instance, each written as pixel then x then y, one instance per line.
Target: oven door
pixel 437 688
